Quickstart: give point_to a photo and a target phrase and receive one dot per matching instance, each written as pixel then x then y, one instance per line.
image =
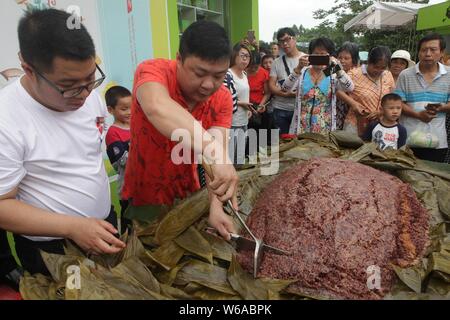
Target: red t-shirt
pixel 116 133
pixel 256 83
pixel 151 178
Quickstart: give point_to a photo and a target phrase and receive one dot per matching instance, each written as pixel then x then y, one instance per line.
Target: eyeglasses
pixel 73 92
pixel 285 41
pixel 433 50
pixel 244 56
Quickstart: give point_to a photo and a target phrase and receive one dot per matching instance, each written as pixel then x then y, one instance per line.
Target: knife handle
pixel 208 168
pixel 234 236
pixel 214 232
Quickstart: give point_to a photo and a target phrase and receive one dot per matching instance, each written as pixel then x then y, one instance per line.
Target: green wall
pixel 159 28
pixel 434 17
pixel 173 28
pixel 244 16
pixel 164 28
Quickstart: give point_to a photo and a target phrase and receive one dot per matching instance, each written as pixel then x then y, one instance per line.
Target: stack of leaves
pixel 174 258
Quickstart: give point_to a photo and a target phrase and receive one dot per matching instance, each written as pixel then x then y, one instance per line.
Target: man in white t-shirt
pixel 53 184
pixel 283 102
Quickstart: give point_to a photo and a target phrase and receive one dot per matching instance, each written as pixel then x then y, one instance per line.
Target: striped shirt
pixel 417 93
pixel 229 83
pixel 368 93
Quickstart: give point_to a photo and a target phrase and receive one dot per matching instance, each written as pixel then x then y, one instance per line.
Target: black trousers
pixel 435 155
pixel 124 222
pixel 7 262
pixel 29 254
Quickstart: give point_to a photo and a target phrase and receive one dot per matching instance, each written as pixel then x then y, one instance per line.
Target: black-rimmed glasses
pixel 73 92
pixel 285 41
pixel 244 56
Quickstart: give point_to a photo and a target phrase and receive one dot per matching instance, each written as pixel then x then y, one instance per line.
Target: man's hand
pixel 426 116
pixel 219 220
pixel 302 62
pixel 261 109
pixel 95 236
pixel 245 42
pixel 246 105
pixel 252 110
pixel 334 60
pixel 289 94
pixel 224 181
pixel 443 108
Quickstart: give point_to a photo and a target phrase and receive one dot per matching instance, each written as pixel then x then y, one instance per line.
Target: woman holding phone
pixel 317 77
pixel 240 60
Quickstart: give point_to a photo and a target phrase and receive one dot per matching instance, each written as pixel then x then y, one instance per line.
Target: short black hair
pixel 324 43
pixel 380 53
pixel 45 35
pixel 267 56
pixel 431 37
pixel 390 97
pixel 353 49
pixel 206 40
pixel 284 31
pixel 114 94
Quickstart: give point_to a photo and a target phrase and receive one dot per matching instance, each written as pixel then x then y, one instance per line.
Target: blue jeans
pixel 282 120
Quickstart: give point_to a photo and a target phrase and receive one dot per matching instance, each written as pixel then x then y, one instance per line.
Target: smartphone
pixel 432 106
pixel 319 59
pixel 253 108
pixel 251 36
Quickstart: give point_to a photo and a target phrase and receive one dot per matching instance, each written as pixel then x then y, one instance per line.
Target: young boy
pixel 267 61
pixel 387 132
pixel 118 100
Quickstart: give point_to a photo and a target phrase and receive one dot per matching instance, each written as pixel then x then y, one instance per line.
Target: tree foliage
pixel 334 19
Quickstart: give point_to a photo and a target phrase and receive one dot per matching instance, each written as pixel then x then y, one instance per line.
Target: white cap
pixel 403 54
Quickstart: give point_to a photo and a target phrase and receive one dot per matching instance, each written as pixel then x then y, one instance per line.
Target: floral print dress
pixel 316 109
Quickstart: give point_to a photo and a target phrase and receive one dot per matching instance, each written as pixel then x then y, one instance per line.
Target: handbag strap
pixel 286 67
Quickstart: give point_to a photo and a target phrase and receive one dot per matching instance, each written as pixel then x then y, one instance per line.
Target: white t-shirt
pixel 386 137
pixel 54 158
pixel 240 117
pixel 279 71
pixel 4 83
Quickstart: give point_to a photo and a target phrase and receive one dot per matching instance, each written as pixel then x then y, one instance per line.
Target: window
pixel 190 11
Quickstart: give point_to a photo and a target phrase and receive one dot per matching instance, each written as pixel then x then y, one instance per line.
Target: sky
pixel 275 14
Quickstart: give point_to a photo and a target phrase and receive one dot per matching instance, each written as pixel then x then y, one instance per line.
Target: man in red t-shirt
pixel 186 94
